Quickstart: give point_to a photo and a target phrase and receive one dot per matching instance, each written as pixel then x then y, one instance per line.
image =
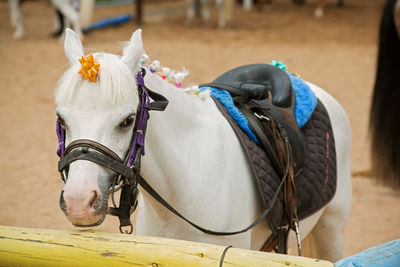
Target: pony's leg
pixel 16 19
pixel 221 13
pixel 205 12
pixel 328 235
pixel 329 231
pixel 319 11
pixel 70 14
pixel 189 12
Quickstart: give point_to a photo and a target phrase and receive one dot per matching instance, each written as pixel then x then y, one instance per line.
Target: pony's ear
pixel 72 46
pixel 133 52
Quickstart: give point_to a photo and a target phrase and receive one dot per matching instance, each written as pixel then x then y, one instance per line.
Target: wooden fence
pixel 44 247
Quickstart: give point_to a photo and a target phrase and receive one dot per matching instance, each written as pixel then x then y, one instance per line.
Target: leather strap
pixel 269 148
pixel 93 156
pixel 127 204
pixel 221 260
pixel 92 144
pixel 283 234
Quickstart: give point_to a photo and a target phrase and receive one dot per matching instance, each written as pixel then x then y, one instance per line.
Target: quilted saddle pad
pixel 315 184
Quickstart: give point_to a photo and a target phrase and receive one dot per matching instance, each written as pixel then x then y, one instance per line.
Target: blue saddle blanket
pixel 306 101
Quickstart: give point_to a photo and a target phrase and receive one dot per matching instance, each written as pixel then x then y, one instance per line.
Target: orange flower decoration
pixel 89 68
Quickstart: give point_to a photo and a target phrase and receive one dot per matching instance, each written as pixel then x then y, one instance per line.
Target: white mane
pixel 175 77
pixel 117 83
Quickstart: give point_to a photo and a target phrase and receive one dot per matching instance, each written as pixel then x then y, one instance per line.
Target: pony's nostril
pixel 62 203
pixel 94 200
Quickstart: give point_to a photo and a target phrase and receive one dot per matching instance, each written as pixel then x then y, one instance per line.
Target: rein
pixel 128 170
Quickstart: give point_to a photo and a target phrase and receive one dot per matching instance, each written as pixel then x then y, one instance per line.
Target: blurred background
pixel 336 51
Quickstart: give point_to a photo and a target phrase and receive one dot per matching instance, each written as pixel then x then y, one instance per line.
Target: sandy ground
pixel 337 53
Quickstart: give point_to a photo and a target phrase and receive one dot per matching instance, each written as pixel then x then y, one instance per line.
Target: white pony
pixel 193 157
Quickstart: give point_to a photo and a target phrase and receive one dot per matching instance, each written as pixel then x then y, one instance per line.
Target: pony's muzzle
pixel 82 209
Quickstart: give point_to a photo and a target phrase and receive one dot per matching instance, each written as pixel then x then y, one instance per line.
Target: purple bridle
pixel 138 141
pixel 128 169
pixel 61 139
pixel 141 126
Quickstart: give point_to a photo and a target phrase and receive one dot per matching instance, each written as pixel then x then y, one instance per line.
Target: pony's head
pixel 102 111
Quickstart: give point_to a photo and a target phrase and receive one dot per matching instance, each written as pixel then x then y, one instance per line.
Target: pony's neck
pixel 154 82
pixel 173 130
pixel 194 161
pixel 173 138
pixel 185 109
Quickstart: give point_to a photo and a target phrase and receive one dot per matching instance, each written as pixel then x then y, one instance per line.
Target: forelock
pixel 116 82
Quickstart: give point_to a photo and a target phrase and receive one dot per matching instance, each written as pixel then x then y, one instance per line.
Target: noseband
pixel 127 170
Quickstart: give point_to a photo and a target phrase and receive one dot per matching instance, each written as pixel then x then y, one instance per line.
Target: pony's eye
pixel 126 123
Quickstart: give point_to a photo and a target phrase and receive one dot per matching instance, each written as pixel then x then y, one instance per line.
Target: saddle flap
pixel 287 121
pixel 261 115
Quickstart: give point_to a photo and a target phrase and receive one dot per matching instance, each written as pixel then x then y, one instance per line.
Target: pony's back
pixel 385 112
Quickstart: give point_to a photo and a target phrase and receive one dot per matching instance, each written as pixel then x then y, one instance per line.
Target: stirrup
pixel 297 231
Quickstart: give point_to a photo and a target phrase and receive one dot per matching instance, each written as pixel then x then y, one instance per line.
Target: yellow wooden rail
pixel 44 247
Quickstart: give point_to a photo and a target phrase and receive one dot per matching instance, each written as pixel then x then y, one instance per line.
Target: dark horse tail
pixel 385 107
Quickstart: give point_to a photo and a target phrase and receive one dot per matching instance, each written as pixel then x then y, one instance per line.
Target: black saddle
pixel 255 81
pixel 263 93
